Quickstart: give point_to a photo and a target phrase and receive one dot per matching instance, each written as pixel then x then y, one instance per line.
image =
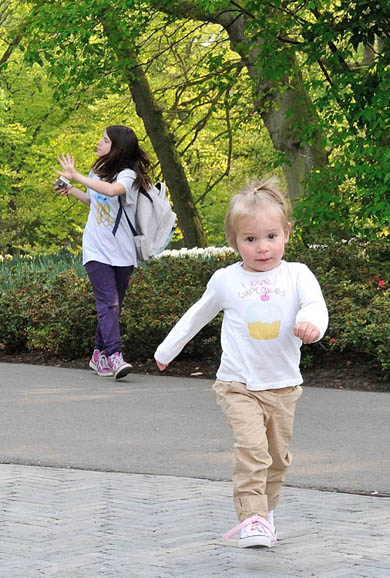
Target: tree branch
pixel 16 40
pixel 210 185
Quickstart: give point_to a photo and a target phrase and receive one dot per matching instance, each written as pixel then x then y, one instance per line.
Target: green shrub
pixel 355 279
pixel 53 312
pixel 61 316
pixel 13 321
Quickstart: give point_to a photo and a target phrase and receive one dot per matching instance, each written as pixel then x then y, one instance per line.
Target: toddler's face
pixel 261 239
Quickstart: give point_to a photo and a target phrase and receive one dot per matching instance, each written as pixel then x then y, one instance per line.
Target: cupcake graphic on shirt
pixel 263 319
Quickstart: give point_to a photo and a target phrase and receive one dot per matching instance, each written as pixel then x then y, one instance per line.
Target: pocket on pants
pixel 289 399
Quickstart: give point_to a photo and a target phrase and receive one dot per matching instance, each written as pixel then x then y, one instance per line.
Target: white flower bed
pixel 196 252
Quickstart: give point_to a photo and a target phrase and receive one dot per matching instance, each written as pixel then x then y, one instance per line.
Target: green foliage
pixel 61 315
pixel 13 270
pixel 65 84
pixel 355 278
pixel 46 306
pixel 205 94
pixel 52 311
pixel 31 213
pixel 50 314
pixel 348 45
pixel 13 320
pixel 201 88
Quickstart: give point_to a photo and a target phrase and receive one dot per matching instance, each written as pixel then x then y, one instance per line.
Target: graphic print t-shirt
pixel 99 244
pixel 259 347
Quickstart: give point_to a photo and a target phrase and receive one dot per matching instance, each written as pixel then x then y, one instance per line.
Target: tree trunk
pixel 166 152
pixel 161 139
pixel 290 111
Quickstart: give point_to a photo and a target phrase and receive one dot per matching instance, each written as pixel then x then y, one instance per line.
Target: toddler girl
pixel 270 308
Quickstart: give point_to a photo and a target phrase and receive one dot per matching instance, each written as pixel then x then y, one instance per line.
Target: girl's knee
pixel 106 309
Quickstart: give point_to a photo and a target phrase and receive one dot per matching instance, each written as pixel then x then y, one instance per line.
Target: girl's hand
pixel 161 366
pixel 68 168
pixel 63 191
pixel 306 331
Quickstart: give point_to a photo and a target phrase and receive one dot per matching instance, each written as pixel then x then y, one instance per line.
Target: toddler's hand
pixel 306 331
pixel 161 366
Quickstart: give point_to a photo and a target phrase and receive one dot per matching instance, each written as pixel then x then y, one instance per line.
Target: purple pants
pixel 109 286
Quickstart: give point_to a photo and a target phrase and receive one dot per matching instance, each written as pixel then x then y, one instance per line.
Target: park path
pixel 100 519
pixel 63 523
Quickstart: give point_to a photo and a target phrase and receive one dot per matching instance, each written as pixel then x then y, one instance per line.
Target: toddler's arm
pixel 188 326
pixel 312 318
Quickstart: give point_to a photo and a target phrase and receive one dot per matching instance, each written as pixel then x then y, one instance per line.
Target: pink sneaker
pixel 93 362
pixel 104 368
pixel 119 367
pixel 254 531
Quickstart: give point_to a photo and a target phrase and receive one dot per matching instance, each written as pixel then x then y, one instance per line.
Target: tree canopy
pixel 219 91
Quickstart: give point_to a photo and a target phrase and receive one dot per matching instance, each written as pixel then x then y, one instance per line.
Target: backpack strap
pixel 122 210
pixel 118 218
pixel 142 190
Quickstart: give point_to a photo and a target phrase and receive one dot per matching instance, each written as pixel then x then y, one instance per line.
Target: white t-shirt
pixel 260 310
pixel 99 244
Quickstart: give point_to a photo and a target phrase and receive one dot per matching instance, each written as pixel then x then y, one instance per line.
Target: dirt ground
pixel 339 372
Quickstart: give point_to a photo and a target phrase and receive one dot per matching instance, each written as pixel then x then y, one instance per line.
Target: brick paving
pixel 64 523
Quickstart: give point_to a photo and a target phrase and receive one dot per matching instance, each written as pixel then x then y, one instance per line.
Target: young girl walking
pixel 270 308
pixel 120 169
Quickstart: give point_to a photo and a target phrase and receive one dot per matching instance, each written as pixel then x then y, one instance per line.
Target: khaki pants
pixel 262 424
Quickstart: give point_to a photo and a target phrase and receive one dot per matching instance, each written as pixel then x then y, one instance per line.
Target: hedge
pixel 52 312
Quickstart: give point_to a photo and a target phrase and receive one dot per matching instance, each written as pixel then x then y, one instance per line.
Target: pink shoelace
pixel 255 520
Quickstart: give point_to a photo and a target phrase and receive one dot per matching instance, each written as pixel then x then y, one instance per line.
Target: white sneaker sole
pixel 93 365
pixel 123 371
pixel 256 542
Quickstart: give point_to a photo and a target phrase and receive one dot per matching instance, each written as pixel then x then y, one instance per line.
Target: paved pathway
pixel 74 523
pixel 71 418
pixel 63 523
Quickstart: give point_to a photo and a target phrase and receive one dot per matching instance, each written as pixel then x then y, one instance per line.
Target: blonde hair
pixel 245 202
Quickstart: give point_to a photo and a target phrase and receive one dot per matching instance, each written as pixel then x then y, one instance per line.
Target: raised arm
pixel 69 171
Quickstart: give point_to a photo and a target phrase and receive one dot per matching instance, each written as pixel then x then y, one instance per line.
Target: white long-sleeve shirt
pixel 260 309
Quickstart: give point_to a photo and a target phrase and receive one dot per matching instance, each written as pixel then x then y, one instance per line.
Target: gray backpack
pixel 155 221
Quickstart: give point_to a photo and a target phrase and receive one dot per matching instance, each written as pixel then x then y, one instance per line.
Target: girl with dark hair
pixel 120 169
